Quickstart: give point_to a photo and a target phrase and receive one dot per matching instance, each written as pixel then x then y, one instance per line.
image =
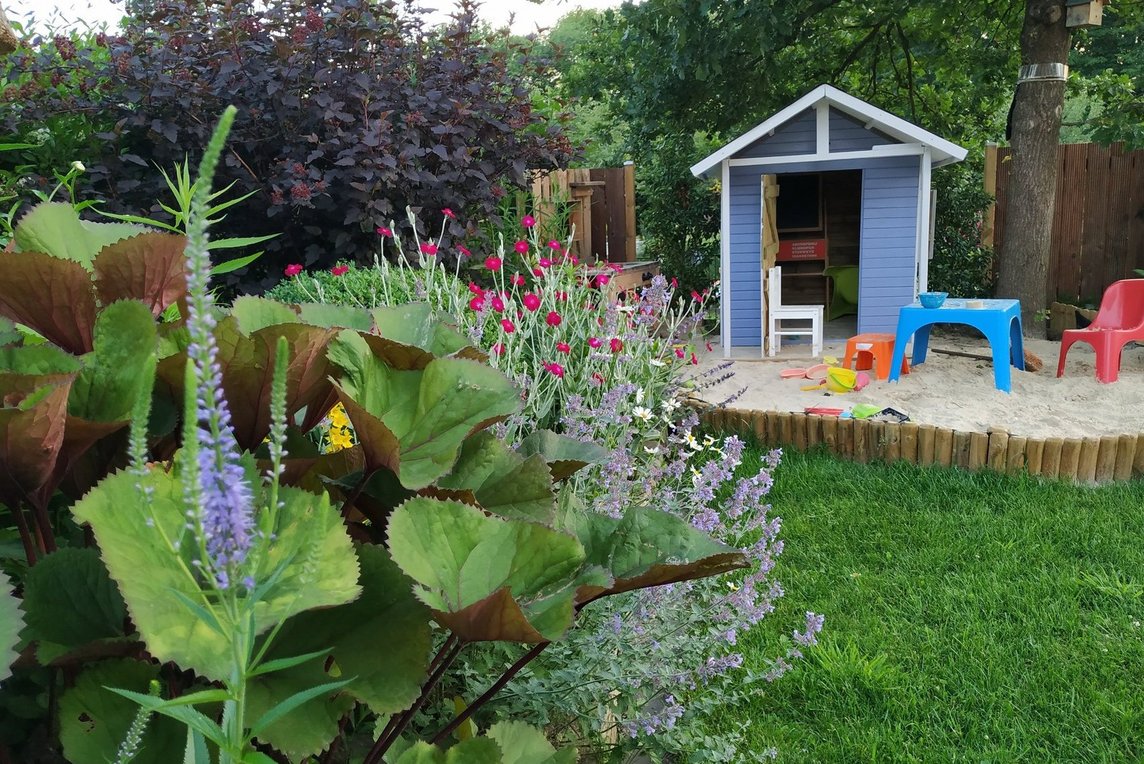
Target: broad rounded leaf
pixel 254 313
pixel 486 578
pixel 523 744
pixel 52 296
pixel 32 424
pixel 565 456
pixel 94 720
pixel 647 548
pixel 381 641
pixel 125 343
pixel 10 626
pixel 70 599
pixel 476 751
pixel 335 316
pixel 132 517
pixel 56 228
pixel 502 481
pixel 419 325
pixel 429 411
pixel 149 267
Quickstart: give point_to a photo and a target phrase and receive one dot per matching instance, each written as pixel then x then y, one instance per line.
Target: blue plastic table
pixel 998 320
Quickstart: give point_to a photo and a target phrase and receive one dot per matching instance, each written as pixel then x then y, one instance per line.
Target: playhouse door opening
pixel 818 216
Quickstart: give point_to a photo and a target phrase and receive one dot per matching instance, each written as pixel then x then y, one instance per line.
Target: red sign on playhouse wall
pixel 802 249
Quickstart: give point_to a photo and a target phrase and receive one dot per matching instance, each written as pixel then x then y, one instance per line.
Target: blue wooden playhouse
pixel 853 192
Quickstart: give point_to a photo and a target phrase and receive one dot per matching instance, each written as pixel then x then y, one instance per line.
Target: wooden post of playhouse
pixel 926 435
pixel 1034 455
pixel 1106 458
pixel 1015 460
pixel 1070 459
pixel 1051 460
pixel 768 248
pixel 978 450
pixel 1086 467
pixel 998 448
pixel 1125 453
pixel 630 211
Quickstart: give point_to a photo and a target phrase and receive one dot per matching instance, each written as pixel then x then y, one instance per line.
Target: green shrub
pixel 960 264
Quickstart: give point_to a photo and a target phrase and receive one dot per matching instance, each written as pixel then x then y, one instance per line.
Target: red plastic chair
pixel 1119 321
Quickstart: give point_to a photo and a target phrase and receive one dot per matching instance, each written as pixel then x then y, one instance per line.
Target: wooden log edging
pixel 1090 460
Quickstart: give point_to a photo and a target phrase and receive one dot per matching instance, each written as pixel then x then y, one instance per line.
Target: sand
pixel 955 392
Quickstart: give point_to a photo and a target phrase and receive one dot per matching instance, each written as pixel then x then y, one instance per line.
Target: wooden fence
pixel 1080 460
pixel 602 205
pixel 1098 225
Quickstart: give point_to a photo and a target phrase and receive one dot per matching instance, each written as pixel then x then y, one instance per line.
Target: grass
pixel 969 617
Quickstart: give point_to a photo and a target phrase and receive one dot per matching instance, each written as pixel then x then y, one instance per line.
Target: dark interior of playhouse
pixel 818 216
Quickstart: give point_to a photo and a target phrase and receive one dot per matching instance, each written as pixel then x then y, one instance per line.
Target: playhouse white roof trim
pixel 942 152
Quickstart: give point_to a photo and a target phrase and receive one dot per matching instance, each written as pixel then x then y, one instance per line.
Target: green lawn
pixel 969 617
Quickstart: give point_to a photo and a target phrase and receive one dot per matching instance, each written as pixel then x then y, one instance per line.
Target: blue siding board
pixel 848 134
pixel 797 136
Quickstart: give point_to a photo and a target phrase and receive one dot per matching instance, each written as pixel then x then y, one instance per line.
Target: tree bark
pixel 8 40
pixel 1023 262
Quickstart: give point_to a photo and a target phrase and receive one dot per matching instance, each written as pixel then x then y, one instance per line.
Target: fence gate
pixel 601 204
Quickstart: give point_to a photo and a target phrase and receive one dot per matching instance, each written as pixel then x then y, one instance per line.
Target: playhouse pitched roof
pixel 942 151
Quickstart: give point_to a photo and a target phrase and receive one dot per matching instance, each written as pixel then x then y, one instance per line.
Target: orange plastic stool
pixel 880 350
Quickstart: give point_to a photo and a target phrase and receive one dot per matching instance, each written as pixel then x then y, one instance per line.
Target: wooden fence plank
pixel 926 453
pixel 1070 459
pixel 1125 453
pixel 943 447
pixel 978 450
pixel 960 449
pixel 759 425
pixel 1015 459
pixel 785 429
pixel 798 431
pixel 1106 458
pixel 1051 460
pixel 830 434
pixel 861 441
pixel 1086 466
pixel 617 225
pixel 846 438
pixel 1034 455
pixel 998 450
pixel 813 432
pixel 1094 269
pixel 629 212
pixel 892 433
pixel 909 442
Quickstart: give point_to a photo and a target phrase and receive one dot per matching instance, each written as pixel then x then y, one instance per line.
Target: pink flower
pixel 564 347
pixel 498 304
pixel 554 369
pixel 545 262
pixel 449 213
pixel 553 318
pixel 694 360
pixel 493 263
pixel 602 279
pixel 595 342
pixel 674 283
pixel 521 246
pixel 476 289
pixel 477 303
pixel 616 344
pixel 508 326
pixel 464 250
pixel 562 296
pixel 528 221
pixel 516 279
pixel 679 353
pixel 709 348
pixel 293 269
pixel 429 248
pixel 531 301
pixel 695 296
pixel 575 260
pixel 554 244
pixel 340 270
pixel 498 348
pixel 597 378
pixel 385 232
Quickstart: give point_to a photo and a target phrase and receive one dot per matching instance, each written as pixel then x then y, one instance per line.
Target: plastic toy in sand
pixel 840 380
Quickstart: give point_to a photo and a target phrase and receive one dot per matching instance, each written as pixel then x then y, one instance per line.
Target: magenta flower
pixel 616 344
pixel 493 263
pixel 293 269
pixel 554 244
pixel 498 304
pixel 531 301
pixel 521 246
pixel 340 270
pixel 516 279
pixel 477 304
pixel 545 262
pixel 476 289
pixel 679 353
pixel 694 360
pixel 508 326
pixel 464 250
pixel 554 369
pixel 564 347
pixel 553 318
pixel 386 232
pixel 528 221
pixel 562 296
pixel 449 213
pixel 429 248
pixel 595 342
pixel 602 279
pixel 498 348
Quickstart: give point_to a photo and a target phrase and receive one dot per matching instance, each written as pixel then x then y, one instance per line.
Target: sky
pixel 526 16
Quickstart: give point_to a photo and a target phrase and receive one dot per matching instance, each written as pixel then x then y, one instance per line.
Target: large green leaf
pixel 647 548
pixel 56 229
pixel 486 578
pixel 9 334
pixel 70 600
pixel 476 751
pixel 37 360
pixel 33 416
pixel 132 517
pixel 417 324
pixel 565 456
pixel 502 481
pixel 380 642
pixel 51 296
pixel 335 316
pixel 125 343
pixel 254 313
pixel 10 626
pixel 522 744
pixel 150 267
pixel 94 720
pixel 426 411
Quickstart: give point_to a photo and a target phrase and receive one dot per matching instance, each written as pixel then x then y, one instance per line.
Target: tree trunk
pixel 8 40
pixel 1023 262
